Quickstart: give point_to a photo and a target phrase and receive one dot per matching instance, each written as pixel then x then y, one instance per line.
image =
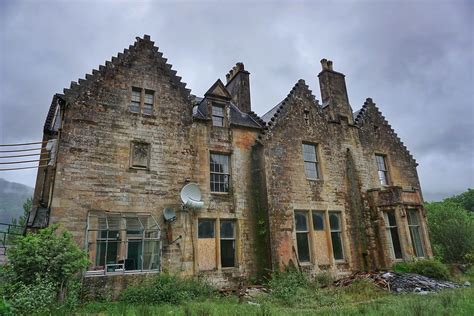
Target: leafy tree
pixel 19 224
pixel 465 199
pixel 451 230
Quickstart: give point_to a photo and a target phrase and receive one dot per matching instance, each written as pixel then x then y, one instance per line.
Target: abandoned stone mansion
pixel 310 184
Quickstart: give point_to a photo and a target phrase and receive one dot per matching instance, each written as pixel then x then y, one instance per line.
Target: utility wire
pixel 12 151
pixel 9 169
pixel 24 144
pixel 14 162
pixel 27 155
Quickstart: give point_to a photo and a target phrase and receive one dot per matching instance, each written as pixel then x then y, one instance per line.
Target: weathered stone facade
pixel 130 136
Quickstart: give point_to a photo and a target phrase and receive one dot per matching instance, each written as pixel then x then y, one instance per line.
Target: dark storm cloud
pixel 415 59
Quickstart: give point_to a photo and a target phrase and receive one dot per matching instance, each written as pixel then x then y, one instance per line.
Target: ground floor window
pixel 302 235
pixel 315 240
pixel 392 235
pixel 415 232
pixel 216 248
pixel 120 242
pixel 336 235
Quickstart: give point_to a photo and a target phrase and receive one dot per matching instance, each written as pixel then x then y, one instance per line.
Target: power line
pixel 9 169
pixel 24 144
pixel 27 155
pixel 12 151
pixel 25 161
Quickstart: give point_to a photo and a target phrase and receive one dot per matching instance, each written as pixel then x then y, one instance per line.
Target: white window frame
pixel 217 184
pixel 382 169
pixel 311 162
pixel 149 232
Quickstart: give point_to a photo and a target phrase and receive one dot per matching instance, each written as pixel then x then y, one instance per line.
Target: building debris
pixel 399 282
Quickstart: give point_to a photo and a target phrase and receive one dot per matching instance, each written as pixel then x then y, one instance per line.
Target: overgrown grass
pixel 356 299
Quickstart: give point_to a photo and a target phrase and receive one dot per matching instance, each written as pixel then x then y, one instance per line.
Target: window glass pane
pixel 219 167
pixel 206 228
pixel 135 107
pixel 382 177
pixel 391 219
pixel 148 109
pixel 303 246
pixel 396 243
pixel 151 255
pixel 149 97
pixel 311 170
pixel 412 217
pixel 112 252
pixel 309 152
pixel 334 221
pixel 227 229
pixel 136 95
pixel 416 240
pixel 134 255
pixel 300 221
pixel 318 220
pixel 227 253
pixel 217 110
pixel 337 245
pixel 217 121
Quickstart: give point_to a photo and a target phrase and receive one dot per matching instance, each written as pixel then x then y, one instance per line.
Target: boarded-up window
pixel 140 155
pixel 415 232
pixel 227 242
pixel 302 232
pixel 206 244
pixel 336 235
pixel 392 235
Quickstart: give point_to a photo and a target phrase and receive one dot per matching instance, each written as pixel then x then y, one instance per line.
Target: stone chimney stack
pixel 334 92
pixel 238 85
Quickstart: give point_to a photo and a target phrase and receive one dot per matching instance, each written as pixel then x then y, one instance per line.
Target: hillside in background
pixel 12 197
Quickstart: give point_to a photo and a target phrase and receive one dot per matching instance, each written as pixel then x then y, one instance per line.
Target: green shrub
pixel 285 285
pixel 166 289
pixel 5 308
pixel 430 267
pixel 323 279
pixel 38 297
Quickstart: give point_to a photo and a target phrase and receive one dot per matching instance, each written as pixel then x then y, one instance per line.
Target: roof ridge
pixel 121 56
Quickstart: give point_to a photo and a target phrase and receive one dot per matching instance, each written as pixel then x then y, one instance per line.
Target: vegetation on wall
pixel 451 225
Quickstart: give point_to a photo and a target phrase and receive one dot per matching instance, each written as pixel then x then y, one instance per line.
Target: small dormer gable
pixel 219 91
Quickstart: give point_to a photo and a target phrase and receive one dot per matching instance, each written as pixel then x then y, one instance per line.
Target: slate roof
pixel 237 117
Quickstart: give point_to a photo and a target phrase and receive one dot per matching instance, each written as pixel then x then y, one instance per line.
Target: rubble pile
pixel 399 282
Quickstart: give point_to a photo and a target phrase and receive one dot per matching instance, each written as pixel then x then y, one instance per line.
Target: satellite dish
pixel 191 196
pixel 169 214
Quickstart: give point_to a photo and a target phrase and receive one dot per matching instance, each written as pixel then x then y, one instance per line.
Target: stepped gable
pixel 47 129
pixel 271 117
pixel 361 116
pixel 76 88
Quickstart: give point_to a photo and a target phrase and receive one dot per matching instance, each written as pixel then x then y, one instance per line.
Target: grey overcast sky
pixel 414 58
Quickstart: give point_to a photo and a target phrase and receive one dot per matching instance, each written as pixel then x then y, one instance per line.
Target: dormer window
pixel 217 114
